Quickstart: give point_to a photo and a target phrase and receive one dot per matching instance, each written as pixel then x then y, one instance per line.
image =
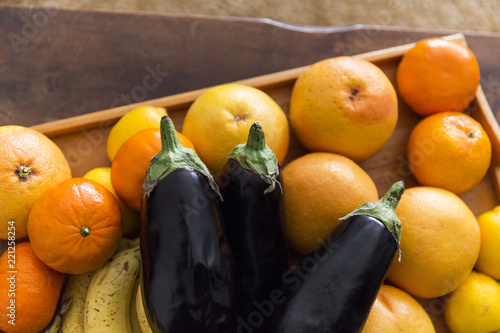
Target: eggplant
pixel 334 287
pixel 188 269
pixel 250 183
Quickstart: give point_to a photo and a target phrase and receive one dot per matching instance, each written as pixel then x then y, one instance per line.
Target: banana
pixel 107 307
pixel 55 325
pixel 74 299
pixel 141 315
pixel 127 243
pixel 134 320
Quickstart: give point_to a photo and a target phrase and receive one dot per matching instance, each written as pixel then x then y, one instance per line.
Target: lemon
pixel 488 261
pixel 475 306
pixel 130 218
pixel 134 121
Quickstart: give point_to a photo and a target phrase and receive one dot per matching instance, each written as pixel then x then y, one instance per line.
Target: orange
pixel 76 226
pixel 488 261
pixel 221 118
pixel 320 188
pixel 131 163
pixel 437 75
pixel 439 242
pixel 31 164
pixel 344 105
pixel 474 306
pixel 31 299
pixel 396 311
pixel 449 150
pixel 132 122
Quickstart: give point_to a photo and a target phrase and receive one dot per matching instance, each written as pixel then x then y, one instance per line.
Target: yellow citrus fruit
pixel 449 150
pixel 320 188
pixel 132 122
pixel 439 242
pixel 344 105
pixel 475 306
pixel 221 118
pixel 438 75
pixel 30 164
pixel 395 310
pixel 130 218
pixel 488 261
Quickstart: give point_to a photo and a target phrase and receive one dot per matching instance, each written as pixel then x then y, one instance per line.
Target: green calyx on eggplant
pixel 256 157
pixel 384 210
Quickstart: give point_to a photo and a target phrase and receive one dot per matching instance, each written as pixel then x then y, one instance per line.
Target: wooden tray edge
pixel 91 120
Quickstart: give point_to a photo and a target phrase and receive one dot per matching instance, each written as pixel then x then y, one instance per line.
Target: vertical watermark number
pixel 12 272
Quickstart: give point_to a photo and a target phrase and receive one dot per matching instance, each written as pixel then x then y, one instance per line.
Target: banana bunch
pixel 105 300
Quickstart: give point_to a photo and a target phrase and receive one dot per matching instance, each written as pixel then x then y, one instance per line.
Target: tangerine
pixel 76 226
pixel 449 150
pixel 30 295
pixel 438 75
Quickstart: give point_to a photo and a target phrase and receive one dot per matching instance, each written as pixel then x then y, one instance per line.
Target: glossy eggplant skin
pixel 334 287
pixel 254 231
pixel 187 265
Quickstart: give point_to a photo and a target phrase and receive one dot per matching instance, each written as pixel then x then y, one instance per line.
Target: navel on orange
pixel 31 164
pixel 438 75
pixel 76 226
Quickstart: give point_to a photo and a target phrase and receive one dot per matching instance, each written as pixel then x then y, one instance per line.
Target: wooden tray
pixel 83 138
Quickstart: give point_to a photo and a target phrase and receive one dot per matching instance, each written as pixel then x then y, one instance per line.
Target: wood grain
pixel 77 62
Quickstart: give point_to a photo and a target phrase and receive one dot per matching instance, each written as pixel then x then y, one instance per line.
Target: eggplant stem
pixel 169 139
pixel 256 139
pixel 173 156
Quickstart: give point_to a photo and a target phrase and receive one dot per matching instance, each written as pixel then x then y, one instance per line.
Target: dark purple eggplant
pixel 187 266
pixel 334 287
pixel 250 183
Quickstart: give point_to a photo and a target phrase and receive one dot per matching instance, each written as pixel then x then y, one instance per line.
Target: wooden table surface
pixel 59 63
